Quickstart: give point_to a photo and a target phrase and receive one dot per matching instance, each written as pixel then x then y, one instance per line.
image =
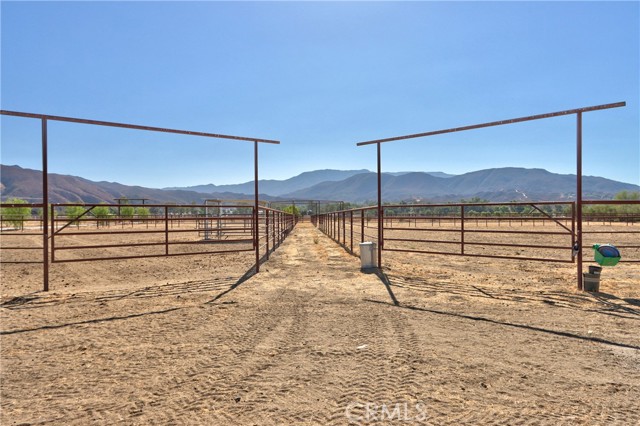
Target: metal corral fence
pixel 20 233
pixel 115 231
pixel 541 231
pixel 44 133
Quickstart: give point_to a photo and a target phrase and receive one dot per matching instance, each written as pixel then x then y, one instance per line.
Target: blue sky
pixel 319 77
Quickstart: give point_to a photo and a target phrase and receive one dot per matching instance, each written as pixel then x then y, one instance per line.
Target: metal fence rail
pixel 620 225
pixel 274 227
pixel 177 230
pixel 15 230
pixel 542 231
pixel 348 227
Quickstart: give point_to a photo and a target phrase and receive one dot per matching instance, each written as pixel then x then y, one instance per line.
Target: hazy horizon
pixel 307 171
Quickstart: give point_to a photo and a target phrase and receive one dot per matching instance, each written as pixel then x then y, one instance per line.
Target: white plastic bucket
pixel 368 255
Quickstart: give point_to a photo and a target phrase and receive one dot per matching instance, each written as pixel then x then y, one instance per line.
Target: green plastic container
pixel 606 254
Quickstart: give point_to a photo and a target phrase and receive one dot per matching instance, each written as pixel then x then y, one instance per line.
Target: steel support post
pixel 380 219
pixel 256 217
pixel 45 208
pixel 579 196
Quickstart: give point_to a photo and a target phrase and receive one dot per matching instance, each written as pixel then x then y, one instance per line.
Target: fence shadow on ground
pixel 509 324
pixel 221 286
pixel 601 303
pixel 42 300
pixel 88 321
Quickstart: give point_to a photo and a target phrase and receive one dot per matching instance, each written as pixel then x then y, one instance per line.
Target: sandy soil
pixel 312 340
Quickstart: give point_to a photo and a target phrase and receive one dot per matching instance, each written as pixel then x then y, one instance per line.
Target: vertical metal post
pixel 362 226
pixel 344 228
pixel 166 230
pixel 573 226
pixel 579 195
pixel 266 234
pixel 380 219
pixel 461 229
pixel 351 229
pixel 45 208
pixel 256 219
pixel 53 232
pixel 333 225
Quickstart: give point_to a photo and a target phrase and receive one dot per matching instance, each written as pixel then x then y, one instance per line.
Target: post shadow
pixel 250 273
pixel 385 280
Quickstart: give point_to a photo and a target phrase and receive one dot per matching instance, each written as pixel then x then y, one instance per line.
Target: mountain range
pixel 503 184
pixel 277 187
pixel 360 186
pixel 286 187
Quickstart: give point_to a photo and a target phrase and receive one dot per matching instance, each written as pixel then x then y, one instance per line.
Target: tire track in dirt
pixel 228 382
pixel 384 371
pixel 315 355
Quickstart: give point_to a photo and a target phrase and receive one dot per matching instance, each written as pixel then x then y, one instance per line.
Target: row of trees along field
pixel 16 216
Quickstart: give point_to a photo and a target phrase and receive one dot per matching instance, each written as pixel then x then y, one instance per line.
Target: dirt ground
pixel 313 340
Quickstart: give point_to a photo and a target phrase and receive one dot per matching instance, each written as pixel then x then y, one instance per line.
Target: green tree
pixel 627 195
pixel 72 212
pixel 633 209
pixel 292 210
pixel 101 212
pixel 127 211
pixel 15 216
pixel 142 212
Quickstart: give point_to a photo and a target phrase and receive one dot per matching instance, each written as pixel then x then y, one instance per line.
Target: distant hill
pixel 503 184
pixel 436 174
pixel 26 184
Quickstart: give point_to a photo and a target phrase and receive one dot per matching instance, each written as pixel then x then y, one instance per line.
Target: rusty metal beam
pixel 132 126
pixel 497 123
